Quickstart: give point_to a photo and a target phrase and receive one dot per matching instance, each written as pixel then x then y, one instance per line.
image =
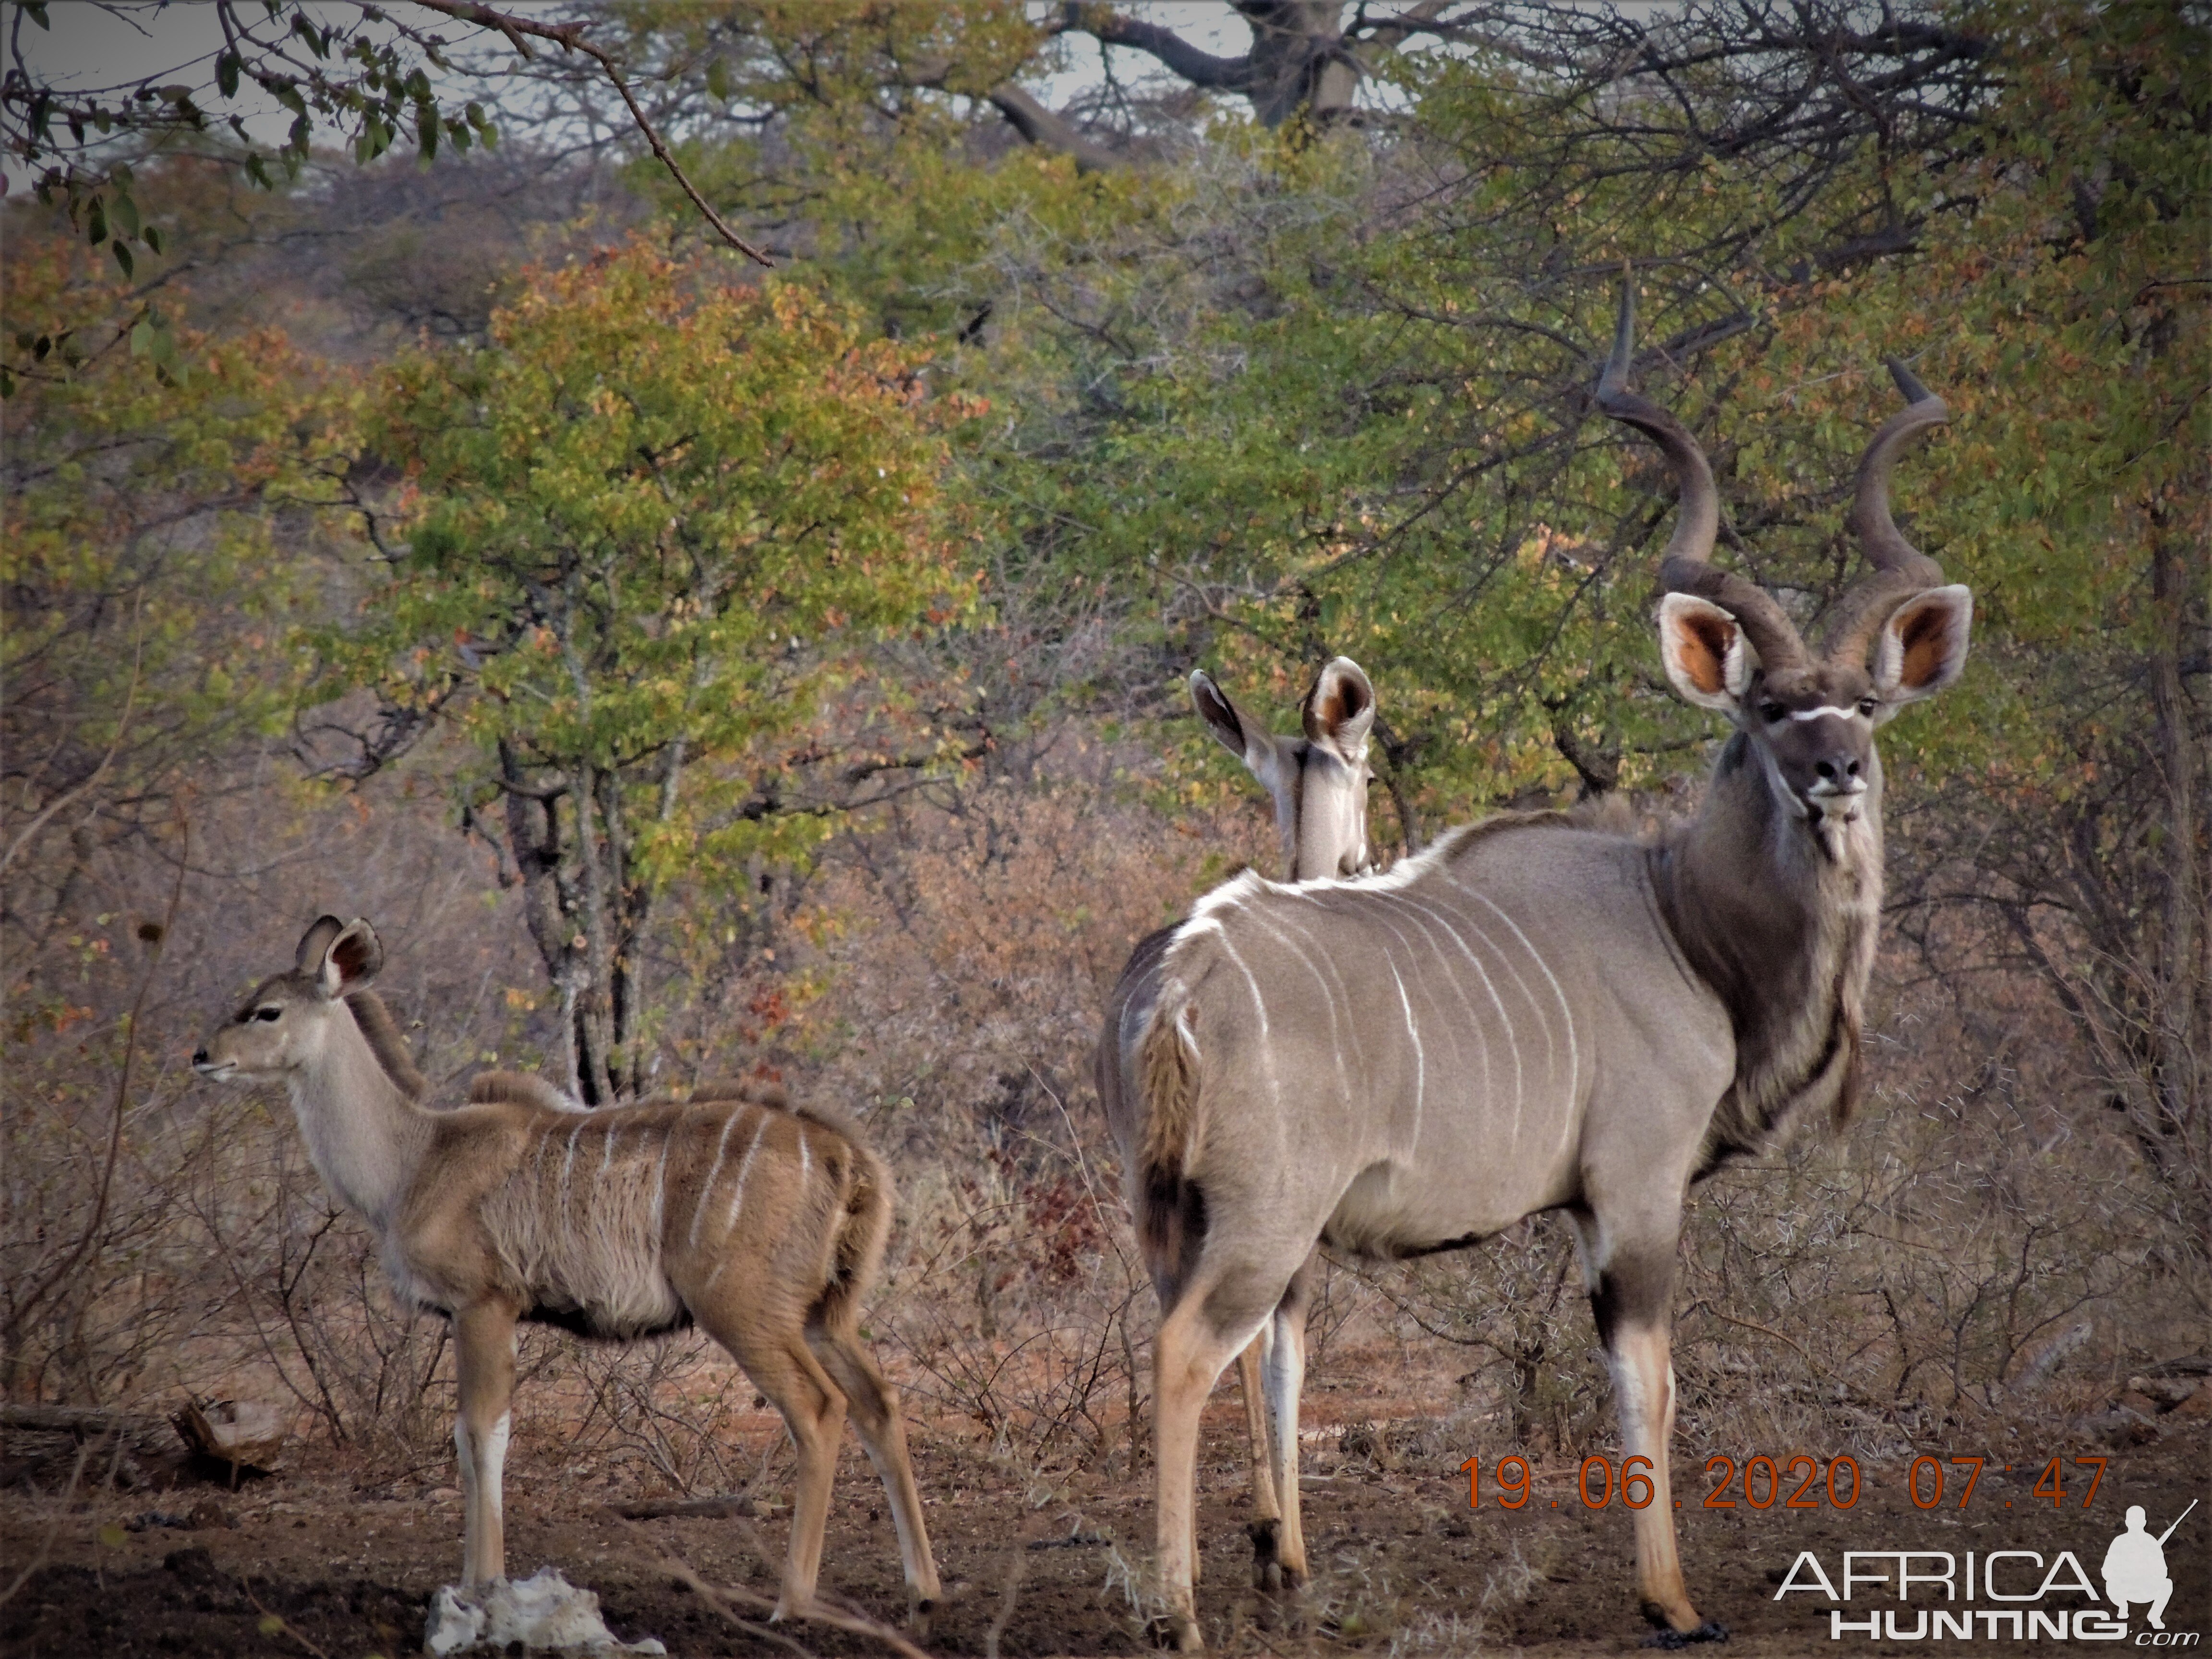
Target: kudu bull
pixel 1319 785
pixel 1534 1015
pixel 763 1224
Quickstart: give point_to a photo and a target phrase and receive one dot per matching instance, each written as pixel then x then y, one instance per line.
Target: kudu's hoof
pixel 1711 1631
pixel 1175 1632
pixel 918 1613
pixel 1267 1565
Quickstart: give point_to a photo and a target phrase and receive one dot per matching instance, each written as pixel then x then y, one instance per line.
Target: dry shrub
pixel 1984 1247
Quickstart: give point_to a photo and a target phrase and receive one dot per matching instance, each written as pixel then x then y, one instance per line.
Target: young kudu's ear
pixel 1921 648
pixel 315 943
pixel 1707 656
pixel 1250 742
pixel 350 961
pixel 1339 710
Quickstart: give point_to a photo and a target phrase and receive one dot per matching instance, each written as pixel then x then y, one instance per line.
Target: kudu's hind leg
pixel 874 1404
pixel 1210 1321
pixel 1266 1522
pixel 483 1349
pixel 1631 1297
pixel 1286 1376
pixel 784 1369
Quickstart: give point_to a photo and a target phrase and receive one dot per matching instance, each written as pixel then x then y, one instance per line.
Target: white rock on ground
pixel 544 1612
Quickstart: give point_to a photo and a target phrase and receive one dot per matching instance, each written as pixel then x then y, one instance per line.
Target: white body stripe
pixel 1566 1011
pixel 706 1186
pixel 1328 998
pixel 1266 1048
pixel 738 1195
pixel 568 1162
pixel 1474 1019
pixel 1420 1059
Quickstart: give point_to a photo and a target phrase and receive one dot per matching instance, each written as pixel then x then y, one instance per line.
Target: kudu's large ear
pixel 1339 710
pixel 350 960
pixel 1921 648
pixel 1247 740
pixel 1707 656
pixel 315 943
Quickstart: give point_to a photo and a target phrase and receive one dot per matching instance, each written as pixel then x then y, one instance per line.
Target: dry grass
pixel 1980 1249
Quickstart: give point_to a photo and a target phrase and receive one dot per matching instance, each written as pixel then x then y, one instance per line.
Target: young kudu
pixel 764 1225
pixel 1319 784
pixel 1534 1015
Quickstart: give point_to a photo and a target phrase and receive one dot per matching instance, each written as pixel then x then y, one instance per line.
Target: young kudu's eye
pixel 1772 711
pixel 268 1013
pixel 1867 705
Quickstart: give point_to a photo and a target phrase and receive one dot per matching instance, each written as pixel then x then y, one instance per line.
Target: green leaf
pixel 142 337
pixel 96 222
pixel 226 74
pixel 121 250
pixel 36 11
pixel 718 79
pixel 152 238
pixel 271 1624
pixel 113 1536
pixel 126 214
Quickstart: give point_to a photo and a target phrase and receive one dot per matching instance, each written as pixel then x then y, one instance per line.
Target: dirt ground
pixel 1403 1566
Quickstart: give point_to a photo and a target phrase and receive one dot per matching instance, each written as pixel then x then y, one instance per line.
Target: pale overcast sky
pixel 92 47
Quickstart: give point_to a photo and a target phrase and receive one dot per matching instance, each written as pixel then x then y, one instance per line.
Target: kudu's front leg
pixel 483 1349
pixel 1631 1299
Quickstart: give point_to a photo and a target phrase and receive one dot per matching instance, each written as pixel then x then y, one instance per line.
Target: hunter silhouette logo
pixel 2134 1567
pixel 2001 1595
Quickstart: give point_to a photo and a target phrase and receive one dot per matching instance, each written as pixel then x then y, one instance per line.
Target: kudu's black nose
pixel 199 1057
pixel 1835 769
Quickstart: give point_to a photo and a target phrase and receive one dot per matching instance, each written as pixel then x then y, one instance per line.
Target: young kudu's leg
pixel 1631 1292
pixel 784 1369
pixel 875 1408
pixel 483 1349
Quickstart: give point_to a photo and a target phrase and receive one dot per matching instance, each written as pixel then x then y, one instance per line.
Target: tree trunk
pixel 1298 61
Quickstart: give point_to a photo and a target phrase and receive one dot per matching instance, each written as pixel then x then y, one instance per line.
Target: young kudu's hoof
pixel 917 1616
pixel 1670 1639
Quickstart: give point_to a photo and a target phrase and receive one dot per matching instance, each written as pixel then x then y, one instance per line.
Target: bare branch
pixel 570 36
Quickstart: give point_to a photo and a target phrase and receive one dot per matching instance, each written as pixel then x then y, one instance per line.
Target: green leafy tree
pixel 144 502
pixel 654 533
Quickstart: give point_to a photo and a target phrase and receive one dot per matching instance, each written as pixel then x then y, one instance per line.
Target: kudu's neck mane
pixel 356 1103
pixel 1783 931
pixel 382 1034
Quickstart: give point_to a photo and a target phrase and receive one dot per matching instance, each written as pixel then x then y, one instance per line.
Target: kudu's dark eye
pixel 268 1013
pixel 1772 711
pixel 1867 705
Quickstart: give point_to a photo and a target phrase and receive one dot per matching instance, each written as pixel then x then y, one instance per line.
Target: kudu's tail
pixel 1170 1207
pixel 863 1223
